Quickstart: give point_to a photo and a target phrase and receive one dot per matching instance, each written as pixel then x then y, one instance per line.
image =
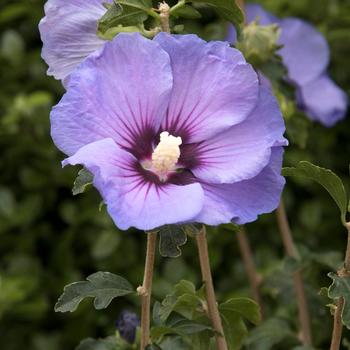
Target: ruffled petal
pixel 132 200
pixel 305 51
pixel 214 88
pixel 68 32
pixel 241 152
pixel 323 100
pixel 121 92
pixel 243 201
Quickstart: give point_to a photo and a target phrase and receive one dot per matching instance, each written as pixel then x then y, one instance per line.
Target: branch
pixel 249 264
pixel 213 311
pixel 145 290
pixel 164 10
pixel 287 238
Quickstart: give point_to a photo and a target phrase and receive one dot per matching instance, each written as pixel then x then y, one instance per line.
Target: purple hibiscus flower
pixel 174 130
pixel 305 53
pixel 69 33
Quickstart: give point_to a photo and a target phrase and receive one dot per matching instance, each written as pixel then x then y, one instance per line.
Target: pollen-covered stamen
pixel 166 154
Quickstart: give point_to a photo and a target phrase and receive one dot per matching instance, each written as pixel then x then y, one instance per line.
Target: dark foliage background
pixel 49 238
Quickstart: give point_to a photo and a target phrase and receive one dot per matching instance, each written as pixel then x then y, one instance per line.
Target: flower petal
pixel 132 200
pixel 121 92
pixel 214 88
pixel 305 51
pixel 323 100
pixel 68 32
pixel 241 152
pixel 243 201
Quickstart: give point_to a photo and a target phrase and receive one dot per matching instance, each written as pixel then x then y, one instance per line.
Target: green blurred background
pixel 49 238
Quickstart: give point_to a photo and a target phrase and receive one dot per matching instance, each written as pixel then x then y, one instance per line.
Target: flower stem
pixel 338 324
pixel 249 264
pixel 145 290
pixel 213 310
pixel 240 3
pixel 287 238
pixel 164 10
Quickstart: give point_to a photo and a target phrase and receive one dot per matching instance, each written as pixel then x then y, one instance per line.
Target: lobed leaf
pixel 172 237
pixel 103 286
pixel 124 13
pixel 227 9
pixel 82 181
pixel 340 288
pixel 186 12
pixel 153 347
pixel 233 312
pixel 326 178
pixel 268 334
pixel 98 344
pixel 244 307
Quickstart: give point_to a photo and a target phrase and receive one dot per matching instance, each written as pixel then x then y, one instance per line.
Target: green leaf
pixel 235 330
pixel 184 300
pixel 125 13
pixel 83 180
pixel 232 313
pixel 297 127
pixel 326 178
pixel 114 10
pixel 7 202
pixel 292 264
pixel 103 286
pixel 171 238
pixel 98 344
pixel 341 288
pixel 268 334
pixel 182 327
pixel 244 307
pixel 192 229
pixel 186 12
pixel 153 347
pixel 184 287
pixel 227 9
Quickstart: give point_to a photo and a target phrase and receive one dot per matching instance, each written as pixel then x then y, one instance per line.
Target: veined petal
pixel 305 51
pixel 68 32
pixel 132 200
pixel 214 88
pixel 103 158
pixel 323 100
pixel 243 201
pixel 241 152
pixel 121 92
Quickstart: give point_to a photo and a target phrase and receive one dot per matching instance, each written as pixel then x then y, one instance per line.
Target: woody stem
pixel 213 310
pixel 145 290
